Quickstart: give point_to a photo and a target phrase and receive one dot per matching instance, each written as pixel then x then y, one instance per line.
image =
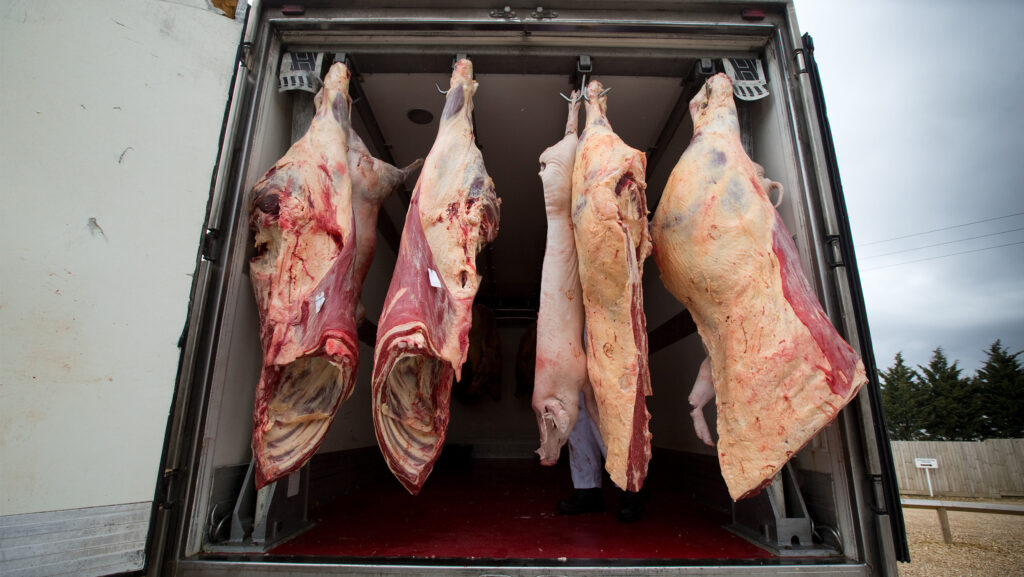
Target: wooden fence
pixel 992 468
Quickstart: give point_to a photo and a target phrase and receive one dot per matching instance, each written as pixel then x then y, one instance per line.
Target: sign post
pixel 927 465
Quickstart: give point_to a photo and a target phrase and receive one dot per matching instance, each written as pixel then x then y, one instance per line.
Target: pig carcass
pixel 422 336
pixel 561 364
pixel 609 216
pixel 779 369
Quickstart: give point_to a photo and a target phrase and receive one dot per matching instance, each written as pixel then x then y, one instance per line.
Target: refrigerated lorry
pixel 126 437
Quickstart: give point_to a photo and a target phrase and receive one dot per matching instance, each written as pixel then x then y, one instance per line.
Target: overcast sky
pixel 926 103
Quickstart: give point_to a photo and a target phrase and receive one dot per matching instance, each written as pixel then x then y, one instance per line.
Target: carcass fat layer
pixel 780 370
pixel 609 214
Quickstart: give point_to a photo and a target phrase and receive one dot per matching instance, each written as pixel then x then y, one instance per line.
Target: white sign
pixel 927 465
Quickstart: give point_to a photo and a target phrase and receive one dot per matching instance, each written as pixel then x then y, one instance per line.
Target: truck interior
pixel 488 500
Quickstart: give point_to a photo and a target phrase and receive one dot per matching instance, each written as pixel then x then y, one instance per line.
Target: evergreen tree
pixel 955 413
pixel 904 404
pixel 1001 391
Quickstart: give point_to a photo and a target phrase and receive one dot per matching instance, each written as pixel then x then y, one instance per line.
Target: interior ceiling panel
pixel 517 116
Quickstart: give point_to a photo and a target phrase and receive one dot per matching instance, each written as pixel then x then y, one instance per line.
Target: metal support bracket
pixel 540 13
pixel 509 13
pixel 506 12
pixel 584 67
pixel 778 519
pixel 703 69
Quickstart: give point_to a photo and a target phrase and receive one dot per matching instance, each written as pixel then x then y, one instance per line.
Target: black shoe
pixel 631 506
pixel 582 501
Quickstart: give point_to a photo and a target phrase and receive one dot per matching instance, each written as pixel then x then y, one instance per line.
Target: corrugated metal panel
pixel 82 542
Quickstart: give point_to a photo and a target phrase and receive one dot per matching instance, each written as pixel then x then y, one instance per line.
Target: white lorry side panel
pixel 110 113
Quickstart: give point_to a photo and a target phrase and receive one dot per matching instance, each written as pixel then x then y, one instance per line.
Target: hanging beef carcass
pixel 561 364
pixel 302 275
pixel 609 215
pixel 315 215
pixel 780 370
pixel 422 337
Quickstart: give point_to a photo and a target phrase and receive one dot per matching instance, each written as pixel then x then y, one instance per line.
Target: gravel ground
pixel 983 544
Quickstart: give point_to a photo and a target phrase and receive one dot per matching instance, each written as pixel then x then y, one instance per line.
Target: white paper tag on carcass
pixel 747 75
pixel 300 71
pixel 435 281
pixel 319 300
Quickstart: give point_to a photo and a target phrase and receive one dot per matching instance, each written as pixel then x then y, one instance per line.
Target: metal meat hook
pixel 603 92
pixel 583 89
pixel 441 91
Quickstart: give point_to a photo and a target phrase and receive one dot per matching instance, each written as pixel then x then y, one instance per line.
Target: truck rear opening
pixel 489 504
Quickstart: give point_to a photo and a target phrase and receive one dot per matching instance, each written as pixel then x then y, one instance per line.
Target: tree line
pixel 937 403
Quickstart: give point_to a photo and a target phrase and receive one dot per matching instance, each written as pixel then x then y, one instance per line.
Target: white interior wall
pixel 110 113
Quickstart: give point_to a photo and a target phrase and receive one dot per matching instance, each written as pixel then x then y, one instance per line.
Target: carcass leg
pixel 703 391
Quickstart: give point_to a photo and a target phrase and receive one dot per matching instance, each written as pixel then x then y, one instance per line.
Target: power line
pixel 939 229
pixel 941 243
pixel 943 256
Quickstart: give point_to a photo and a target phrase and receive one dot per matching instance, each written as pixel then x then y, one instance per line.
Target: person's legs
pixel 586 455
pixel 586 451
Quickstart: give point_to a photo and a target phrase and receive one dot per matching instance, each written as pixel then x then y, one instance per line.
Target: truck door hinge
pixel 834 253
pixel 211 242
pixel 878 496
pixel 801 61
pixel 245 55
pixel 169 497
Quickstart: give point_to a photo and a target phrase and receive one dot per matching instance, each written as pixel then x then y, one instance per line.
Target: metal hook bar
pixel 441 91
pixel 603 92
pixel 583 85
pixel 582 94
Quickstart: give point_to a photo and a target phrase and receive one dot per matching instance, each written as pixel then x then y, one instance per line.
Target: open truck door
pixel 112 113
